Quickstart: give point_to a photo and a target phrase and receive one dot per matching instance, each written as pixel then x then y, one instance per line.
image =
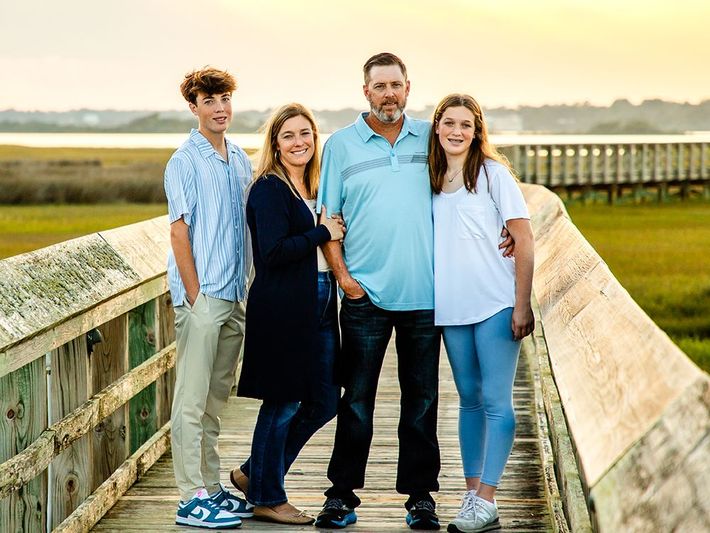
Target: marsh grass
pixel 27 228
pixel 660 254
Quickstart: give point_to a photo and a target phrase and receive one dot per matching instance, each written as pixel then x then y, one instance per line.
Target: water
pixel 254 140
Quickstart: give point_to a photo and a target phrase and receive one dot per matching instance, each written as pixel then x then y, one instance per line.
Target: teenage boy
pixel 205 180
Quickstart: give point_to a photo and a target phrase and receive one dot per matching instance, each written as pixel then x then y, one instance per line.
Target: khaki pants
pixel 209 337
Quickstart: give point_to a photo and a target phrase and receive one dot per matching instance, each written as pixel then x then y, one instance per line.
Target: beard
pixel 385 116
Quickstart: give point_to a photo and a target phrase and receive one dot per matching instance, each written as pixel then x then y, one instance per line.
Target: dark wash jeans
pixel 283 428
pixel 366 330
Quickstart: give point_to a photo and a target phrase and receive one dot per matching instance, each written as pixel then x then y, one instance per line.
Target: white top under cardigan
pixel 323 265
pixel 472 279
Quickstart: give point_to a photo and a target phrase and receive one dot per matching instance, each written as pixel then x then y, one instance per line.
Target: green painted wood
pixel 141 345
pixel 71 470
pixel 23 416
pixel 166 335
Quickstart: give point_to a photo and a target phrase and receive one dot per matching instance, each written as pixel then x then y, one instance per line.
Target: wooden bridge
pixel 614 420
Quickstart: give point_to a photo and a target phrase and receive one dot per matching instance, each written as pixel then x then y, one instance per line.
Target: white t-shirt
pixel 472 279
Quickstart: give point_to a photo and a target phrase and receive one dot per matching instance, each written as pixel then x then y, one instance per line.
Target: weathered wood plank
pixel 27 464
pixel 23 416
pixel 166 335
pixel 109 362
pixel 108 493
pixel 141 346
pixel 71 326
pixel 70 478
pixel 521 495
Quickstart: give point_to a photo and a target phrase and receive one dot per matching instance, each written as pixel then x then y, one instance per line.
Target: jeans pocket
pixel 356 301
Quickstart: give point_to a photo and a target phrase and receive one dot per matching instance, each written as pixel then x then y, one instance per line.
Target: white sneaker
pixel 202 511
pixel 476 515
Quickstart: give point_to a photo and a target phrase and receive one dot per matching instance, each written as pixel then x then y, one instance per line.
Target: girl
pixel 482 299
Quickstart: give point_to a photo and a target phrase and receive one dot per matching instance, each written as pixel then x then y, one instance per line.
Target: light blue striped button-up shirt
pixel 208 193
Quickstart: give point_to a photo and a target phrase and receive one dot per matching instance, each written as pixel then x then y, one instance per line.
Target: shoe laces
pixel 423 505
pixel 334 503
pixel 468 505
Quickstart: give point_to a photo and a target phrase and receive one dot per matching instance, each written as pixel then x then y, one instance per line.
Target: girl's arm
pixel 523 320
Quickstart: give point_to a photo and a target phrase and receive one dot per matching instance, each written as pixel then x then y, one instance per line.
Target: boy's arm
pixel 180 242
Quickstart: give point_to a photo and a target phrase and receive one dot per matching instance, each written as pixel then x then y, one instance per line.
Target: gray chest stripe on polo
pixel 382 162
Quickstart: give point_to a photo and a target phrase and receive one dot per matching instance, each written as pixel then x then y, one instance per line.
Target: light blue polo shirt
pixel 383 194
pixel 208 193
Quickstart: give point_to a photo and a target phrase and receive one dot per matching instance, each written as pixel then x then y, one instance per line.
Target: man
pixel 205 181
pixel 374 174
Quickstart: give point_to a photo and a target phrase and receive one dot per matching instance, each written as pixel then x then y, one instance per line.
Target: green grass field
pixel 660 254
pixel 26 228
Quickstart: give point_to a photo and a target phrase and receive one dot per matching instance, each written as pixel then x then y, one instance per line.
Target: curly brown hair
pixel 208 80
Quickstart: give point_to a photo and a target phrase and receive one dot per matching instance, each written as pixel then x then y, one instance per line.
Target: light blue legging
pixel 483 358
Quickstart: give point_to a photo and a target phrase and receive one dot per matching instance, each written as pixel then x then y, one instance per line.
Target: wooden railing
pixel 86 348
pixel 614 167
pixel 636 409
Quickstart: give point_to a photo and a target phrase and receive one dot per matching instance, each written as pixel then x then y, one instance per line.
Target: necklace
pixel 454 175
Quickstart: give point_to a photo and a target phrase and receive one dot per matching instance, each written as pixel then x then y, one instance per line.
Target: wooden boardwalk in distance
pixel 151 503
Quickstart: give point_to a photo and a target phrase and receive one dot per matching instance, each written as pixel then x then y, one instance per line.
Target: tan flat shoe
pixel 286 514
pixel 239 480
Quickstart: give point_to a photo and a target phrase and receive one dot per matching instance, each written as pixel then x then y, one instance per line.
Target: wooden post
pixel 23 416
pixel 637 187
pixel 141 345
pixel 109 362
pixel 71 471
pixel 682 175
pixel 551 166
pixel 166 335
pixel 704 170
pixel 538 165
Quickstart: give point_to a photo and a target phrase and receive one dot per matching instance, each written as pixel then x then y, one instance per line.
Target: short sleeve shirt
pixel 473 281
pixel 383 193
pixel 207 192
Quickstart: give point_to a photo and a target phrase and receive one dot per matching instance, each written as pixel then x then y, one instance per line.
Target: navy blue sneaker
pixel 201 511
pixel 335 515
pixel 422 515
pixel 234 504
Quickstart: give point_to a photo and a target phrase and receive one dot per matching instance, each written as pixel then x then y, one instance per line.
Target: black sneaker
pixel 422 515
pixel 335 514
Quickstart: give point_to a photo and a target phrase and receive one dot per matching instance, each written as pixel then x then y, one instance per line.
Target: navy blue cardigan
pixel 282 307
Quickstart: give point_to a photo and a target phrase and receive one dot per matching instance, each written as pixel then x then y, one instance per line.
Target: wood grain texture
pixel 109 362
pixel 27 464
pixel 71 471
pixel 521 495
pixel 23 416
pixel 141 346
pixel 616 371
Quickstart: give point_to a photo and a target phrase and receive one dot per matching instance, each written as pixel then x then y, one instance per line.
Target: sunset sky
pixel 131 54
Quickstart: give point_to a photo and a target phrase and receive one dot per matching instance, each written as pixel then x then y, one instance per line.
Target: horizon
pixel 507 55
pixel 409 107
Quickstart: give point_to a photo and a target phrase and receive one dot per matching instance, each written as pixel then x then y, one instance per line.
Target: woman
pixel 291 322
pixel 482 299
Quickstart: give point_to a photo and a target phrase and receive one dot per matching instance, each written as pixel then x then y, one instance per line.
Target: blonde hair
pixel 269 162
pixel 480 149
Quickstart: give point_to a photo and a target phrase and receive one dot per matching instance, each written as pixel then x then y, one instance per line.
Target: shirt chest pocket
pixel 471 222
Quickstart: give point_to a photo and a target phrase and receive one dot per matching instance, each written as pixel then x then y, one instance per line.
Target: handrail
pixel 638 410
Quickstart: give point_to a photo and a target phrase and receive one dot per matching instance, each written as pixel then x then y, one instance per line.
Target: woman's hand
pixel 523 322
pixel 334 225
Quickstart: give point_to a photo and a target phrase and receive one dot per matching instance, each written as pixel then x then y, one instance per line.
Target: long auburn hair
pixel 480 149
pixel 269 162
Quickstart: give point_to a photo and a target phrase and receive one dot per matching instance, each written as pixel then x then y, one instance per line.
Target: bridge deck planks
pixel 151 503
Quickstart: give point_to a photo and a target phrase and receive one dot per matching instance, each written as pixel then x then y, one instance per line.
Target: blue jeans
pixel 283 428
pixel 483 359
pixel 366 332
